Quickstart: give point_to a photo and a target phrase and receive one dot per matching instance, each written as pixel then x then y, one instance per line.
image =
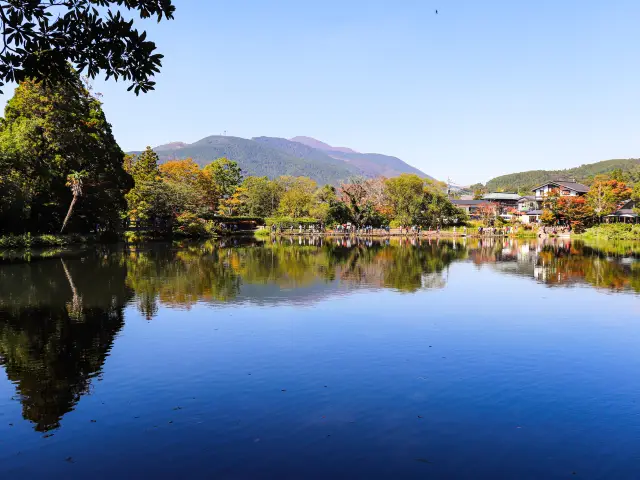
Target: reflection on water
pixel 59 317
pixel 58 320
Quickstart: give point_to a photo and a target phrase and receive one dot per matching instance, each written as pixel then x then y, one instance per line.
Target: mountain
pixel 318 145
pixel 370 164
pixel 170 146
pixel 272 157
pixel 302 151
pixel 583 173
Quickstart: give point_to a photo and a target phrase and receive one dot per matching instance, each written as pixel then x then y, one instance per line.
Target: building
pixel 504 201
pixel 472 207
pixel 565 187
pixel 528 203
pixel 624 213
pixel 532 216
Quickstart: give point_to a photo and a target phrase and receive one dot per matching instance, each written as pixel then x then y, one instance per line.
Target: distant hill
pixel 583 174
pixel 272 157
pixel 318 145
pixel 170 146
pixel 370 164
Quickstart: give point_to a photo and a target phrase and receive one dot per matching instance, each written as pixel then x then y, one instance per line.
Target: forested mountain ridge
pixel 525 181
pixel 273 157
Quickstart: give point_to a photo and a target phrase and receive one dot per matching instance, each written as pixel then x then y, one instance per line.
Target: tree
pixel 46 134
pixel 406 195
pixel 550 208
pixel 40 38
pixel 74 182
pixel 548 218
pixel 635 196
pixel 235 204
pixel 574 211
pixel 487 212
pixel 148 200
pixel 605 195
pixel 438 210
pixel 225 174
pixel 355 196
pixel 478 190
pixel 191 187
pixel 263 196
pixel 297 196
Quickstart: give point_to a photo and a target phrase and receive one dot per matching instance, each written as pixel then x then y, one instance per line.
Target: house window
pixel 566 192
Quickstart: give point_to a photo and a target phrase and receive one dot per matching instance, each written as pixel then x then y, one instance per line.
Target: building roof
pixel 501 196
pixel 469 202
pixel 622 211
pixel 575 186
pixel 528 198
pixel 534 212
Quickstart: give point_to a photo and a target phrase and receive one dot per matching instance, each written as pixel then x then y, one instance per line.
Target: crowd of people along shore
pixel 414 230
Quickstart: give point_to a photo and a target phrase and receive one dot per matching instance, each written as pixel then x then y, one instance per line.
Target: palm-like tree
pixel 74 181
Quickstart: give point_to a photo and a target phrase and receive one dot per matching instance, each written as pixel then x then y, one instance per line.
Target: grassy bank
pixel 27 241
pixel 615 231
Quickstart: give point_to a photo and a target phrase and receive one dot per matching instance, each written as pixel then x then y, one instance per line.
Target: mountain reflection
pixel 59 317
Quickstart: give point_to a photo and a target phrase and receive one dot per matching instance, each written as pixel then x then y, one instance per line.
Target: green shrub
pixel 614 231
pixel 190 225
pixel 262 232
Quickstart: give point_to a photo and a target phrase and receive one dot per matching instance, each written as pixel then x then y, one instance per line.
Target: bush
pixel 27 241
pixel 262 232
pixel 190 225
pixel 614 231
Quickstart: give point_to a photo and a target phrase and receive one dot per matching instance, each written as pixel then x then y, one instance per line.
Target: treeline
pixel 62 170
pixel 524 182
pixel 180 195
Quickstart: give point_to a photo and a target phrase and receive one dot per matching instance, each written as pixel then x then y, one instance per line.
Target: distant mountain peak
pixel 170 146
pixel 317 144
pixel 300 156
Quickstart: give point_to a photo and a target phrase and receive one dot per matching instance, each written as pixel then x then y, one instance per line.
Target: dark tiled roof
pixel 578 187
pixel 528 198
pixel 501 196
pixel 534 212
pixel 469 202
pixel 629 204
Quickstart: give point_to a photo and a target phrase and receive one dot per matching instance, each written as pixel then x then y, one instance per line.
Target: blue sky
pixel 481 89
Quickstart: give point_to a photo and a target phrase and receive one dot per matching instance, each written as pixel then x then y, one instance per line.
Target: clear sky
pixel 483 88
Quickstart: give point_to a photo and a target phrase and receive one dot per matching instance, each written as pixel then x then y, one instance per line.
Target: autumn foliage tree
pixel 606 194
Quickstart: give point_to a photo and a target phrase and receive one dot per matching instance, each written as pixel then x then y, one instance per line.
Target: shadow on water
pixel 59 316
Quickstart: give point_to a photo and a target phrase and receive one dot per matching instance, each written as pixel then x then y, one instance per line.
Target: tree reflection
pixel 214 272
pixel 58 321
pixel 59 318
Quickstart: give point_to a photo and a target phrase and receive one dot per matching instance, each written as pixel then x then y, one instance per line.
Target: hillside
pixel 305 152
pixel 272 157
pixel 370 164
pixel 584 174
pixel 318 145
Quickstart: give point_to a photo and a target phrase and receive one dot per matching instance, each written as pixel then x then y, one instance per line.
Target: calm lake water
pixel 323 359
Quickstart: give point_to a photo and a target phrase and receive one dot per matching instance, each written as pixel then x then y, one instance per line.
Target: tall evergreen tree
pixel 48 133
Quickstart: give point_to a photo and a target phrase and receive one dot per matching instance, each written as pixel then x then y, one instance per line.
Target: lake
pixel 322 358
